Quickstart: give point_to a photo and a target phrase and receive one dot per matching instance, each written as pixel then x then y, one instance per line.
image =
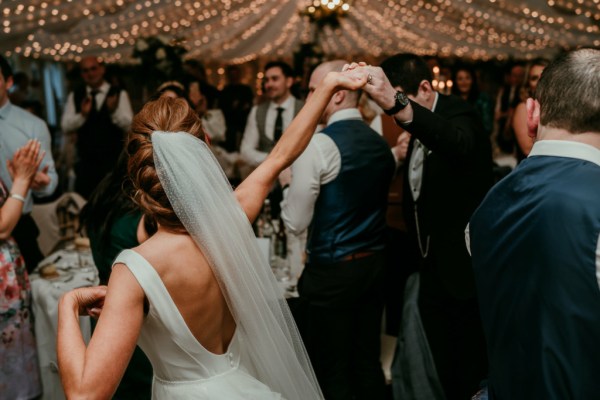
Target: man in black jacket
pixel 448 172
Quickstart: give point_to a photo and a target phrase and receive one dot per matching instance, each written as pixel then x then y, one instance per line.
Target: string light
pixel 242 30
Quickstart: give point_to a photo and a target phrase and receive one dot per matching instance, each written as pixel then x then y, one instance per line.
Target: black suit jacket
pixel 457 174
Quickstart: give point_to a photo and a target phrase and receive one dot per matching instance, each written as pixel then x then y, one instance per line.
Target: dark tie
pixel 93 94
pixel 278 125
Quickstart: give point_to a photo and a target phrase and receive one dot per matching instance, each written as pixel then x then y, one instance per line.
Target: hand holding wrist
pixel 68 302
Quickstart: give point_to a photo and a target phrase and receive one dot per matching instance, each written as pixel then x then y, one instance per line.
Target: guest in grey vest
pixel 268 120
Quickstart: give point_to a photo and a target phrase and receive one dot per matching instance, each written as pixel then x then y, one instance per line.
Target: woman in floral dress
pixel 19 370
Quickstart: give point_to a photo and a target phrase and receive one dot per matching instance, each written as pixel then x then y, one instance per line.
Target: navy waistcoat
pixel 350 211
pixel 533 242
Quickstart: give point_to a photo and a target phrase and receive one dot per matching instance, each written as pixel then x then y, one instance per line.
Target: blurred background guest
pixel 267 121
pixel 506 101
pixel 20 92
pixel 466 87
pixel 196 70
pixel 100 113
pixel 171 89
pixel 18 127
pixel 236 101
pixel 518 121
pixel 19 374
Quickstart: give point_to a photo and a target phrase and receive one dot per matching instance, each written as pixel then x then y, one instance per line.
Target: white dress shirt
pixel 122 116
pixel 318 165
pixel 417 161
pixel 250 141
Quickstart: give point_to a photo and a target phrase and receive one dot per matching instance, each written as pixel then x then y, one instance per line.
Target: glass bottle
pixel 281 241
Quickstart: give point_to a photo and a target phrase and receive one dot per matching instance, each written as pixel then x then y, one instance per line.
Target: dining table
pixel 63 270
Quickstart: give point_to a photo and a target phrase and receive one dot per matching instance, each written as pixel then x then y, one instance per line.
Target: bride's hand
pixel 350 79
pixel 89 300
pixel 377 86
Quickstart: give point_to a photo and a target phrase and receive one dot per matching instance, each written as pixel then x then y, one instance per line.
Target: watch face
pixel 401 98
pixel 401 101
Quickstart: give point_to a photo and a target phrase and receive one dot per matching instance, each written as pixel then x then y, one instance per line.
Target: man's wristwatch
pixel 401 103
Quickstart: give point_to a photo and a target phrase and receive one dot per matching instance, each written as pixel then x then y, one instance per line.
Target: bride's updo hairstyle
pixel 167 115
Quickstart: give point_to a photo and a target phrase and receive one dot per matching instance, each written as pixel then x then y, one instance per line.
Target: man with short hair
pixel 535 245
pixel 339 189
pixel 448 170
pixel 267 121
pixel 101 115
pixel 17 126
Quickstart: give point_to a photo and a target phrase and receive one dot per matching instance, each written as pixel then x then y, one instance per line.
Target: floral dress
pixel 19 370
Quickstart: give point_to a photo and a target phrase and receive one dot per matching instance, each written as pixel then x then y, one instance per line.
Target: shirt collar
pixel 437 96
pixel 346 113
pixel 101 89
pixel 5 110
pixel 286 105
pixel 566 148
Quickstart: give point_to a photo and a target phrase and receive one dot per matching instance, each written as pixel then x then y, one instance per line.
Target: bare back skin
pixel 193 287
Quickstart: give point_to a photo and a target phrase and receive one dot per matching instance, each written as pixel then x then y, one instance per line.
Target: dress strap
pixel 162 305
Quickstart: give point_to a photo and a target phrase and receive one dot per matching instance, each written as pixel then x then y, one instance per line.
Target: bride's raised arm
pixel 254 189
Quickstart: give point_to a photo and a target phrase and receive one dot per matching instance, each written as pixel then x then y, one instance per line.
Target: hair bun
pixel 167 115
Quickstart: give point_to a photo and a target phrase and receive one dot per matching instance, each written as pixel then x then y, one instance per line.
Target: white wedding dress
pixel 266 358
pixel 183 368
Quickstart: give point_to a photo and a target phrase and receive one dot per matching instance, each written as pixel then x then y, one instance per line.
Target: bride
pixel 196 296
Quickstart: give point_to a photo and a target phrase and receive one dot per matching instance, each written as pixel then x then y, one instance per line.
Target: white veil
pixel 206 205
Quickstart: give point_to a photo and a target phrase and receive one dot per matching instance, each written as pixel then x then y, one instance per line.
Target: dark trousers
pixel 400 264
pixel 343 331
pixel 25 234
pixel 455 336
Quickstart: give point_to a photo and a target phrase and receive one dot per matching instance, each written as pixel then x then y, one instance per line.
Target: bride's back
pixel 193 287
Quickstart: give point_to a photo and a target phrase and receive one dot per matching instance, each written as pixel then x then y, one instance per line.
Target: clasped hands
pixel 25 163
pixel 86 300
pixel 111 101
pixel 372 80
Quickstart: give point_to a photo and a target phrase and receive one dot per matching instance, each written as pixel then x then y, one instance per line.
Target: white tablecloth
pixel 76 269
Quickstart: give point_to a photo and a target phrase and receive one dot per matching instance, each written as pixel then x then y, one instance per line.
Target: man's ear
pixel 8 83
pixel 339 97
pixel 289 82
pixel 425 94
pixel 425 86
pixel 533 117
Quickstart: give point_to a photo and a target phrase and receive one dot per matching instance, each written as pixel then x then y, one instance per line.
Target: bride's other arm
pixel 254 189
pixel 95 372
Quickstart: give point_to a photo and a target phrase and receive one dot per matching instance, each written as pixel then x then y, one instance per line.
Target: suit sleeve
pixel 453 137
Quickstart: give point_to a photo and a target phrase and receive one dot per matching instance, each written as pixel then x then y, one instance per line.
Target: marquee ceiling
pixel 242 30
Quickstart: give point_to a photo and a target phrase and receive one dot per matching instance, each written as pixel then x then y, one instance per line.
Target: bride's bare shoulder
pixel 166 250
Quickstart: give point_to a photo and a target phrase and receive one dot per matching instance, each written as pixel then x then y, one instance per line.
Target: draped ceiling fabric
pixel 236 31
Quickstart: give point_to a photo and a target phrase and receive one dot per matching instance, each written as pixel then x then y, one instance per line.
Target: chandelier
pixel 326 12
